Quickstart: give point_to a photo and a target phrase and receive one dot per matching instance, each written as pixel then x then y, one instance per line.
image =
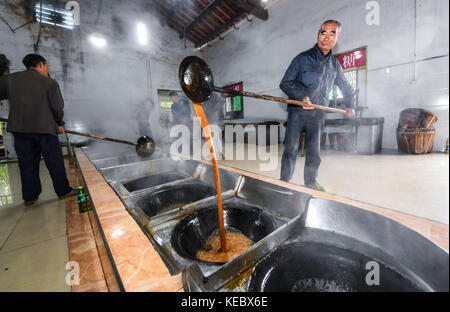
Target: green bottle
pixel 87 203
pixel 81 200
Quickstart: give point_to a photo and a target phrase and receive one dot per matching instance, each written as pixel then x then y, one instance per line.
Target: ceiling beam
pixel 239 15
pixel 200 17
pixel 179 4
pixel 253 7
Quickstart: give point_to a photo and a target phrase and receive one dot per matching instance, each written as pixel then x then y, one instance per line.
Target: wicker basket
pixel 415 141
pixel 413 118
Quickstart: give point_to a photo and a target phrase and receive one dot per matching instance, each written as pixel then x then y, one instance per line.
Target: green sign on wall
pixel 234 105
pixel 237 103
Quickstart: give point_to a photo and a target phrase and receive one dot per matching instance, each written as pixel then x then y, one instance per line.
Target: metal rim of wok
pixel 153 180
pixel 192 232
pixel 145 146
pixel 196 79
pixel 181 194
pixel 315 267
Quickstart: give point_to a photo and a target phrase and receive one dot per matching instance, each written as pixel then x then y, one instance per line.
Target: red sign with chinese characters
pixel 236 87
pixel 353 59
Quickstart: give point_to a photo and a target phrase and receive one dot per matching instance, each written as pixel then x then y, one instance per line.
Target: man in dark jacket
pixel 35 117
pixel 181 110
pixel 310 78
pixel 181 113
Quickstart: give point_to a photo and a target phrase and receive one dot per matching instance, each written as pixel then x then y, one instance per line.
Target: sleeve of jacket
pixel 56 102
pixel 346 88
pixel 3 88
pixel 290 82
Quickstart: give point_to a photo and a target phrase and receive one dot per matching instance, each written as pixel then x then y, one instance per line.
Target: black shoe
pixel 30 202
pixel 316 186
pixel 71 193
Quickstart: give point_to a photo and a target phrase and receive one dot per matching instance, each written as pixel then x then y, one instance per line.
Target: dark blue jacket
pixel 313 74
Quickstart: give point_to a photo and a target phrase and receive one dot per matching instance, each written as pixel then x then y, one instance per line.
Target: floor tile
pixel 7 224
pixel 12 209
pixel 413 184
pixel 40 267
pixel 40 222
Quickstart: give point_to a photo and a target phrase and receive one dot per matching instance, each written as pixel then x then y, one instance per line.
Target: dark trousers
pixel 29 147
pixel 296 123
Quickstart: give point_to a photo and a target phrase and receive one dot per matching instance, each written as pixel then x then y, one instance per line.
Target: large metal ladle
pixel 145 145
pixel 197 82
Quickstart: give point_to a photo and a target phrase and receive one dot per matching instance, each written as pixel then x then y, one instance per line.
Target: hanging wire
pixel 98 12
pixel 1 18
pixel 14 29
pixel 40 26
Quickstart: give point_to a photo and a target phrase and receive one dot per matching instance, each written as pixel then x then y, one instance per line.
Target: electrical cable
pixel 98 12
pixel 40 26
pixel 1 18
pixel 14 29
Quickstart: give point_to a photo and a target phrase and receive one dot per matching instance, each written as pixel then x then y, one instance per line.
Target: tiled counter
pixel 129 260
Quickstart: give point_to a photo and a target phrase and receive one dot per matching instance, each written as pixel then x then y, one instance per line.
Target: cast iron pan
pixel 191 233
pixel 311 267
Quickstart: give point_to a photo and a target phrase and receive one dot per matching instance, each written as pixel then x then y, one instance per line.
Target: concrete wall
pixel 113 90
pixel 110 91
pixel 412 39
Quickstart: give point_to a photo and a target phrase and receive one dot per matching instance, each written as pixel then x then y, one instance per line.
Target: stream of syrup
pixel 207 131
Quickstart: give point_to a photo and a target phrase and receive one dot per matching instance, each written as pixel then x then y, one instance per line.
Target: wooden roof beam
pixel 253 7
pixel 240 14
pixel 201 16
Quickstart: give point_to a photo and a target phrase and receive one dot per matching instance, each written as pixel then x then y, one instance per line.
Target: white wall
pixel 415 49
pixel 110 91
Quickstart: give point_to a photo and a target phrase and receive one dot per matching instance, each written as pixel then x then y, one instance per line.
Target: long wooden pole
pixel 278 99
pixel 91 135
pixel 100 137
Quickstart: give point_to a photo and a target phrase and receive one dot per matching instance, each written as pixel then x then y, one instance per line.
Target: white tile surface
pixel 41 267
pixel 33 239
pixel 412 184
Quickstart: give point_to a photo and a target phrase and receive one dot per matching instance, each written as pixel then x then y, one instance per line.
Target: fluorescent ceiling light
pixel 142 34
pixel 97 40
pixel 52 16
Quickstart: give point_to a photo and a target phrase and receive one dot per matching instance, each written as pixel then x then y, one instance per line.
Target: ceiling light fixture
pixel 142 34
pixel 52 16
pixel 97 40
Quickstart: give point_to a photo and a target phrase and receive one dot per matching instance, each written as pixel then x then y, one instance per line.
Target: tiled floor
pixel 413 184
pixel 33 239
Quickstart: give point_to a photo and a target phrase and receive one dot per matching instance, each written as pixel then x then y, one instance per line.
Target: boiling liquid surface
pixel 236 244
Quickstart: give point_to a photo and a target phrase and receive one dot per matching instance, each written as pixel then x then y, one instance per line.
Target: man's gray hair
pixel 330 21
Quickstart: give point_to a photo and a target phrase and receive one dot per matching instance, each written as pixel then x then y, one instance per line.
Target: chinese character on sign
pixel 353 59
pixel 349 61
